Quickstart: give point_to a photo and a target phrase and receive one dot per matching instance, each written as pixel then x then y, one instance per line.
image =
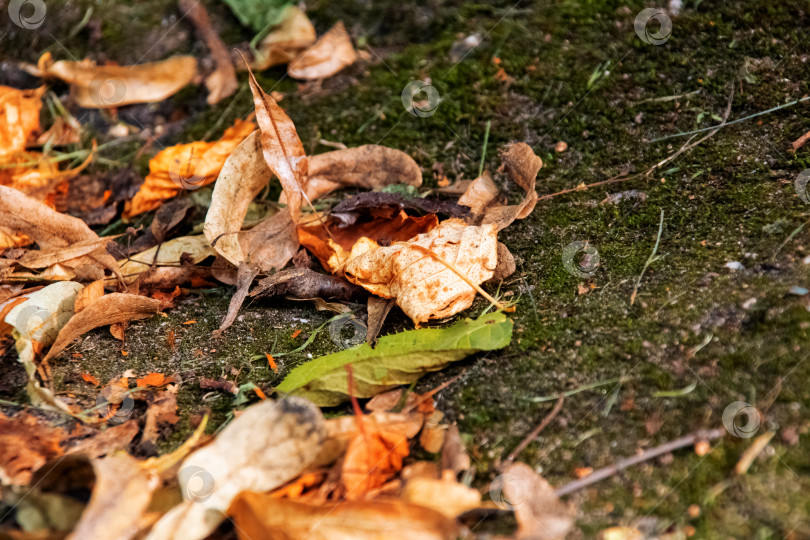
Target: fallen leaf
pixel 414 272
pixel 169 216
pixel 398 359
pixel 109 309
pixel 331 53
pixel 454 456
pixel 102 87
pixel 86 377
pixel 480 195
pixel 162 410
pixel 222 82
pixel 49 229
pixel 259 515
pixel 101 443
pixel 432 436
pixel 334 250
pixel 258 14
pixel 521 165
pixel 540 514
pixel 19 118
pixel 219 384
pixel 372 458
pixel 447 496
pixel 286 41
pixel 37 322
pixel 166 259
pixel 281 147
pixel 302 283
pixel 185 167
pixel 88 295
pixel 349 210
pixel 121 494
pixel 266 446
pixel 154 379
pixel 26 444
pixel 370 166
pixel 378 309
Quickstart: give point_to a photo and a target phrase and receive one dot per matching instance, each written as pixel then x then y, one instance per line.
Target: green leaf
pixel 397 359
pixel 260 15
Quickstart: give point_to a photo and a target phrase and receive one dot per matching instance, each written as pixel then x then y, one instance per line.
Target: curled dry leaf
pixel 370 166
pixel 222 82
pixel 521 164
pixel 50 229
pixel 109 309
pixel 38 321
pixel 303 283
pixel 102 87
pixel 349 210
pixel 269 444
pixel 185 167
pixel 26 444
pixel 19 118
pixel 413 272
pixel 281 147
pixel 121 494
pixel 445 495
pixel 260 515
pixel 163 262
pixel 332 52
pixel 540 514
pixel 292 35
pixel 88 295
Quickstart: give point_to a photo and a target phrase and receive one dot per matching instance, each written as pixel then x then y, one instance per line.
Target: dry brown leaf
pixel 260 515
pixel 522 165
pixel 162 410
pixel 26 444
pixel 539 512
pixel 222 82
pixel 392 225
pixel 109 309
pixel 446 495
pixel 285 42
pixel 166 259
pixel 480 195
pixel 243 176
pixel 266 446
pixel 304 284
pixel 19 118
pixel 370 166
pixel 121 494
pixel 48 257
pixel 48 228
pixel 88 295
pixel 424 287
pixel 332 52
pixel 378 309
pixel 281 147
pixel 65 130
pixel 185 167
pixel 454 456
pixel 103 87
pixel 432 436
pixel 101 443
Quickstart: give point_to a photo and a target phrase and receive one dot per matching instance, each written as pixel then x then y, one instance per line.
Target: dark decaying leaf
pixel 349 210
pixel 244 279
pixel 378 310
pixel 304 283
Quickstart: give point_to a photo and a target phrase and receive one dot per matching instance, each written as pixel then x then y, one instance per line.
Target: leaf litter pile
pixel 351 226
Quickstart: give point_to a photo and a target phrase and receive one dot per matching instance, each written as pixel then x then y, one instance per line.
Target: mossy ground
pixel 579 74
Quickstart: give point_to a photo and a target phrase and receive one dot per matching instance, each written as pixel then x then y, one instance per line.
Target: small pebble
pixel 734 266
pixel 561 147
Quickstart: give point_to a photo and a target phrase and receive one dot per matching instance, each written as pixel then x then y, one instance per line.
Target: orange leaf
pixel 154 379
pixel 19 118
pixel 296 334
pixel 90 379
pixel 272 362
pixel 185 166
pixel 372 458
pixel 192 321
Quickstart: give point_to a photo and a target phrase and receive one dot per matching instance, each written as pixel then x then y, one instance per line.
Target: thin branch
pixel 607 472
pixel 536 431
